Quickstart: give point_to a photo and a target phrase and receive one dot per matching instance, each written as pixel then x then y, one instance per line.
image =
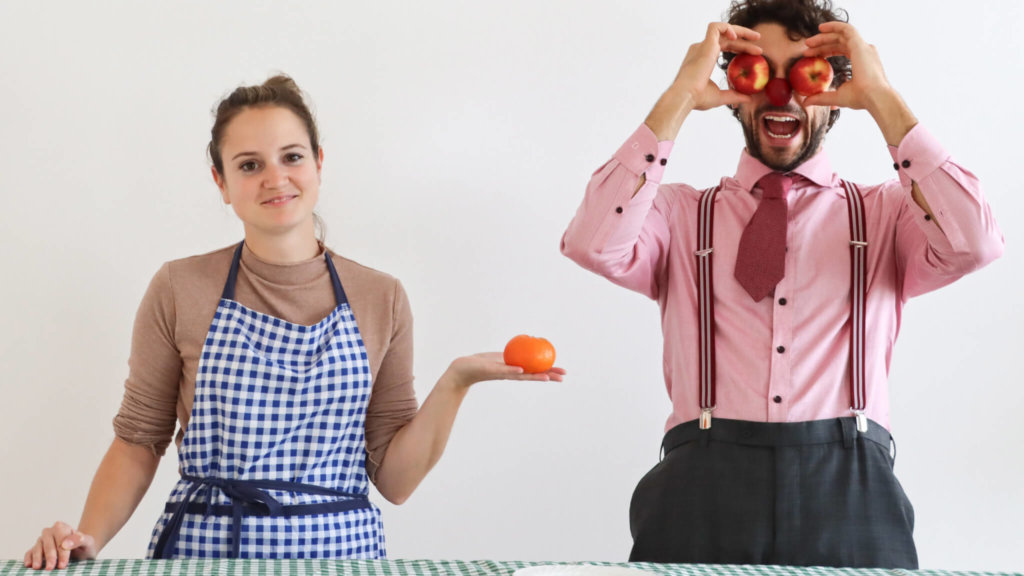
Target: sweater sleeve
pixel 393 400
pixel 147 415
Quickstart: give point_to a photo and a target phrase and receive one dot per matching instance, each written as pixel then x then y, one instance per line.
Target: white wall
pixel 459 136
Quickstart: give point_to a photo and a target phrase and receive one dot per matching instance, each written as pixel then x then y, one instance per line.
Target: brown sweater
pixel 174 318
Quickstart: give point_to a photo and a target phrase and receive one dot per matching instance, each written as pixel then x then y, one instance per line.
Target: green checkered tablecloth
pixel 426 568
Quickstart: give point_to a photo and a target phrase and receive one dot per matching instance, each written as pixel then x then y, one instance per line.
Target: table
pixel 426 568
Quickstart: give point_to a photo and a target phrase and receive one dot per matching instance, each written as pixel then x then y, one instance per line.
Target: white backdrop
pixel 459 136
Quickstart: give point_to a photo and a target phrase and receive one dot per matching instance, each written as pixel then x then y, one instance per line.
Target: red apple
pixel 810 76
pixel 748 73
pixel 778 92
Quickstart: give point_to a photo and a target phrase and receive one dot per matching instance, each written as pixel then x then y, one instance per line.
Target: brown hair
pixel 801 19
pixel 278 90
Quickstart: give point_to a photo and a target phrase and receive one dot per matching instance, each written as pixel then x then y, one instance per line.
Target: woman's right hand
pixel 469 370
pixel 58 545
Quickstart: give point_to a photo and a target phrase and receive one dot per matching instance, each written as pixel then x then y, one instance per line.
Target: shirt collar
pixel 817 169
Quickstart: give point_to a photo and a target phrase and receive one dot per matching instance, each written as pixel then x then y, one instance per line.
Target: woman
pixel 288 368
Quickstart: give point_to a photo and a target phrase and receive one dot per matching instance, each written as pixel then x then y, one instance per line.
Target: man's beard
pixel 811 146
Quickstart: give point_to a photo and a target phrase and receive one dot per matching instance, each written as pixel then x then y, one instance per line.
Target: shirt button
pixel 927 216
pixel 780 349
pixel 777 399
pixel 649 157
pixel 782 301
pixel 664 161
pixel 618 209
pixel 905 164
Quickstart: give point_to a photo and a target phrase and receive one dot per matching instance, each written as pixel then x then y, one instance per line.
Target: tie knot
pixel 775 185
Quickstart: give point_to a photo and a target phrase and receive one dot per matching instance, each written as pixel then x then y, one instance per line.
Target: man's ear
pixel 219 181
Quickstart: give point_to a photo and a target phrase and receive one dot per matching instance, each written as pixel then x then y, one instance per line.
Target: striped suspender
pixel 706 307
pixel 858 287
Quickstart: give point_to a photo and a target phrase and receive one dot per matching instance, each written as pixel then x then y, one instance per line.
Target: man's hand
pixel 693 88
pixel 868 88
pixel 701 61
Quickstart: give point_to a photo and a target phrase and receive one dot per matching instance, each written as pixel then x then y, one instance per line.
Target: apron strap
pixel 248 498
pixel 339 292
pixel 229 286
pixel 706 310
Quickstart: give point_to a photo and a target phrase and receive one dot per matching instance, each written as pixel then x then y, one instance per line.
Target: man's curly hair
pixel 801 18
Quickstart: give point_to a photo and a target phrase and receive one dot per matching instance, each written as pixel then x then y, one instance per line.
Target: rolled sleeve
pixel 148 415
pixel 918 155
pixel 961 234
pixel 642 153
pixel 615 232
pixel 393 402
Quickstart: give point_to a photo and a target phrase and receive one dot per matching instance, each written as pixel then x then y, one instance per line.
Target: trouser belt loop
pixel 849 426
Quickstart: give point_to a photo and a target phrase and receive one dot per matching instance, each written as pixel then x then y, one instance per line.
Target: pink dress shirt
pixel 785 358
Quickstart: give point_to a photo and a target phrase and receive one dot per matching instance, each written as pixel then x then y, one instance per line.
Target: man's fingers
pixel 740 46
pixel 836 26
pixel 826 52
pixel 829 98
pixel 718 29
pixel 733 98
pixel 824 39
pixel 732 38
pixel 743 32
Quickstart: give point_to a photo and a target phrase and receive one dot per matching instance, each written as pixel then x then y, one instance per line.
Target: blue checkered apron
pixel 273 461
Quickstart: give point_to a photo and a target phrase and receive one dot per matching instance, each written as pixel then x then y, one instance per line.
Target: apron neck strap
pixel 229 286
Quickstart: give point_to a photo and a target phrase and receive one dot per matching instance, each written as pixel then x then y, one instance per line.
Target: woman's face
pixel 271 176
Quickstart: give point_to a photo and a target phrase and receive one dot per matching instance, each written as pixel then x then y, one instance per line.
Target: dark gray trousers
pixel 803 493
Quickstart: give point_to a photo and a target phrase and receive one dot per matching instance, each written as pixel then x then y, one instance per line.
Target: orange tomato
pixel 533 355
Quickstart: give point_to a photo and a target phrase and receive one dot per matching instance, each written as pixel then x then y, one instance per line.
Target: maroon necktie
pixel 761 260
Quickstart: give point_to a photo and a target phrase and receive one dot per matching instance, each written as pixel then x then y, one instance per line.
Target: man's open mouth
pixel 780 126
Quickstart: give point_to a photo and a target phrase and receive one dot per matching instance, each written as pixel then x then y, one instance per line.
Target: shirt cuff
pixel 642 153
pixel 917 156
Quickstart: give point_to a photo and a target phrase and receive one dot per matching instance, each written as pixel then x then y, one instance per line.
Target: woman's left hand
pixel 469 370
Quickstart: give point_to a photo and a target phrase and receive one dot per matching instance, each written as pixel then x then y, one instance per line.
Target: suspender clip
pixel 858 244
pixel 705 418
pixel 704 252
pixel 862 421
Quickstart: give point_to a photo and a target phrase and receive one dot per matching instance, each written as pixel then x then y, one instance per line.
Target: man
pixel 780 291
